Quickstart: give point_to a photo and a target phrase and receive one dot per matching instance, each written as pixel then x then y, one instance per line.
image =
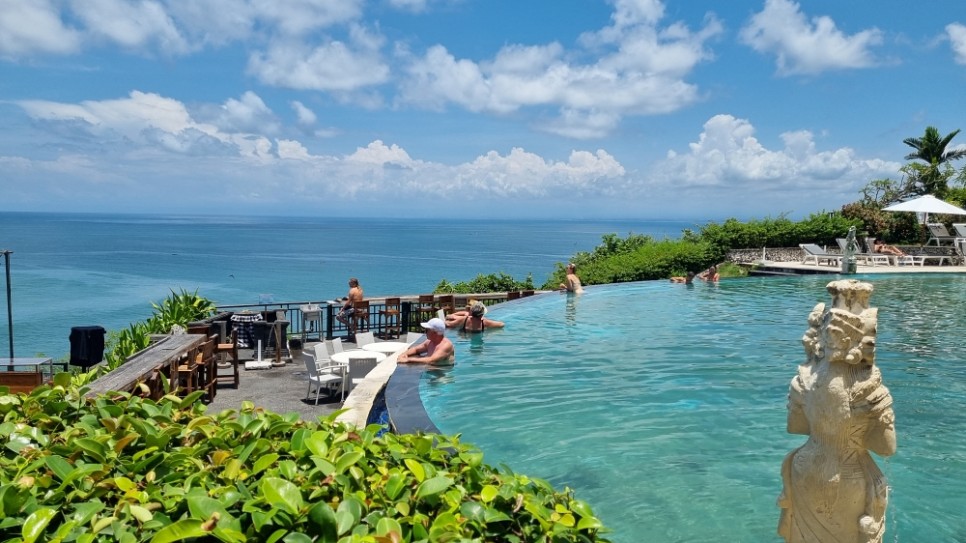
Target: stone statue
pixel 849 251
pixel 832 489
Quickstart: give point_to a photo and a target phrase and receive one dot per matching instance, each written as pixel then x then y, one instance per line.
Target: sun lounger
pixel 816 255
pixel 869 258
pixel 939 234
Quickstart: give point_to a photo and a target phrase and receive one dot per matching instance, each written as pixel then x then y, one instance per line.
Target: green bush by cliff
pixel 121 468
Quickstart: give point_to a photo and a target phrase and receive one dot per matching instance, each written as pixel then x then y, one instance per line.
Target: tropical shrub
pixel 653 260
pixel 122 468
pixel 177 309
pixel 821 228
pixel 499 282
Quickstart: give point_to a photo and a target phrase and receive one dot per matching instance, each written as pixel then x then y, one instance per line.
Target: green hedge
pixel 121 468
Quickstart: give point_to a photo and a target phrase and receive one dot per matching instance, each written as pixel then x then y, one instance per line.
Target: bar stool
pixel 360 312
pixel 390 318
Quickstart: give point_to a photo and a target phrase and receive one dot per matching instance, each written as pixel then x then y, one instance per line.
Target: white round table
pixel 345 356
pixel 386 347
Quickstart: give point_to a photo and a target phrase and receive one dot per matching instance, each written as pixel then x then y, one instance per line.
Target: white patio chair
pixel 334 345
pixel 358 369
pixel 364 338
pixel 318 378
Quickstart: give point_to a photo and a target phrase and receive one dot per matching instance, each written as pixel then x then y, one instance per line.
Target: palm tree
pixel 931 149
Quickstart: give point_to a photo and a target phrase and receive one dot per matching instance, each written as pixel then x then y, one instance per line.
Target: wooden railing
pixel 329 327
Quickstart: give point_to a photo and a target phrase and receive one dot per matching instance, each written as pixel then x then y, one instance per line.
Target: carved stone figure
pixel 832 489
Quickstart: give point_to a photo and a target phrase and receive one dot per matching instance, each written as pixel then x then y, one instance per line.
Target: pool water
pixel 663 405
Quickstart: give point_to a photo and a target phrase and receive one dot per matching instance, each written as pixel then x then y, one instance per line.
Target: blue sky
pixel 469 108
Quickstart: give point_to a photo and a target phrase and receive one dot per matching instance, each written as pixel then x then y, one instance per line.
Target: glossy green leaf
pixel 387 526
pixel 347 460
pixel 322 523
pixel 282 493
pixel 179 531
pixel 416 468
pixel 395 485
pixel 59 466
pixel 589 523
pixel 433 486
pixel 264 461
pixel 489 493
pixel 36 523
pixel 348 515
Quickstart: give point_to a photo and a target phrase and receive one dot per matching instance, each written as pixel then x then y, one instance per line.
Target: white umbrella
pixel 926 204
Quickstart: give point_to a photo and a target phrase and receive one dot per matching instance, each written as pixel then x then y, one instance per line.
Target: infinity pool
pixel 663 405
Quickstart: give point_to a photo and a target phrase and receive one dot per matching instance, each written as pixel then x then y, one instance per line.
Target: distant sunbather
pixel 882 247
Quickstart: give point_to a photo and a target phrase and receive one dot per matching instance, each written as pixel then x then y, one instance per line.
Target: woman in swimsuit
pixel 475 321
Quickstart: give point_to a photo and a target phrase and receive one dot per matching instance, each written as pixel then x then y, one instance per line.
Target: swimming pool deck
pixel 277 389
pixel 797 268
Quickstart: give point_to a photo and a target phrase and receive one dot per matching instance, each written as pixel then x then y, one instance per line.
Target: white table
pixel 345 356
pixel 386 347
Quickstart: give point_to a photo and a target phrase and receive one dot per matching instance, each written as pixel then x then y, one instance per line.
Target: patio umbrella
pixel 926 204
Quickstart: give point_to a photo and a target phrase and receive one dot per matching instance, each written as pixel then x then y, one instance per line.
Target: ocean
pixel 106 269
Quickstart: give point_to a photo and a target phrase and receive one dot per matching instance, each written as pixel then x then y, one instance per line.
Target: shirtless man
pixel 436 350
pixel 355 295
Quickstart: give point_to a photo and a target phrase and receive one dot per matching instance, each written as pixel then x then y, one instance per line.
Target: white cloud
pixel 249 115
pixel 639 70
pixel 957 38
pixel 807 47
pixel 35 27
pixel 331 66
pixel 728 155
pixel 167 27
pixel 304 115
pixel 131 25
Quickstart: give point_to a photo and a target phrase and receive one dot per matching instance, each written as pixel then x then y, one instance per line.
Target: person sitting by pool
pixel 436 350
pixel 881 247
pixel 711 275
pixel 472 320
pixel 687 279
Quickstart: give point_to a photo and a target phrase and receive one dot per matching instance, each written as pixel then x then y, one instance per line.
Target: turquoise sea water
pixel 663 405
pixel 97 269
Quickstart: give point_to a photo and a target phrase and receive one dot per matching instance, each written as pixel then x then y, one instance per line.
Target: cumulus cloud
pixel 304 115
pixel 957 37
pixel 727 154
pixel 139 26
pixel 29 28
pixel 163 27
pixel 331 66
pixel 807 47
pixel 150 122
pixel 639 70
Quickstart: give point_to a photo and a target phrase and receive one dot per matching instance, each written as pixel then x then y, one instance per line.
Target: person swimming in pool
pixel 473 320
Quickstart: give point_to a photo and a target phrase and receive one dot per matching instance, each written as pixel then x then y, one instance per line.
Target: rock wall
pixel 795 254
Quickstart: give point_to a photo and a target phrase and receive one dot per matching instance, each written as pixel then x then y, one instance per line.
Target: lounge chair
pixel 868 257
pixel 817 255
pixel 960 229
pixel 939 234
pixel 893 260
